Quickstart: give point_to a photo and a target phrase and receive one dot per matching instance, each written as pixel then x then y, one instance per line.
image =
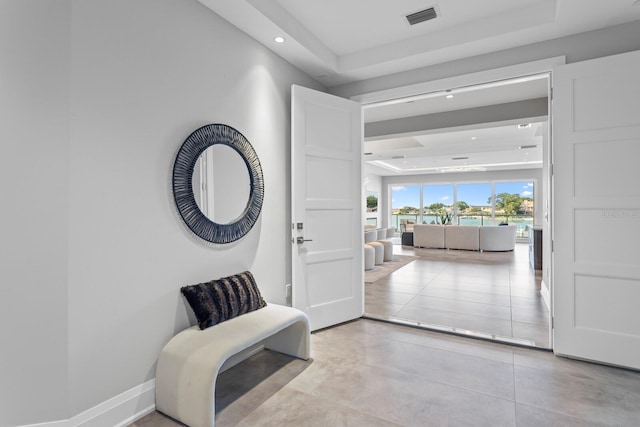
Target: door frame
pixel 435 87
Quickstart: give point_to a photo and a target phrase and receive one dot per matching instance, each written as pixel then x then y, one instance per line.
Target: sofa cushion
pixel 428 236
pixel 498 238
pixel 222 299
pixel 462 237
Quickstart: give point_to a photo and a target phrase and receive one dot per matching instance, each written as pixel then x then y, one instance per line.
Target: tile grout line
pixel 515 391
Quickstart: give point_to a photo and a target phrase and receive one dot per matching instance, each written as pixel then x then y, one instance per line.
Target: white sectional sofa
pixel 466 237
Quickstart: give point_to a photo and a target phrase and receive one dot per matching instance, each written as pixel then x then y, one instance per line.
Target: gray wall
pixel 97 97
pixel 34 172
pixel 531 108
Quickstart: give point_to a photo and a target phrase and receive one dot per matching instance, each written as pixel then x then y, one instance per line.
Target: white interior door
pixel 326 203
pixel 596 149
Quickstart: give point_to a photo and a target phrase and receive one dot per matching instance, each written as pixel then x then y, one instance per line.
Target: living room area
pixel 463 183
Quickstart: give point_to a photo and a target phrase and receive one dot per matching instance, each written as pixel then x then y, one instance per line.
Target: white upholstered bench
pixel 191 361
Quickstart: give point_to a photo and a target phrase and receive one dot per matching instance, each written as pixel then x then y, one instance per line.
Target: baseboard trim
pixel 137 416
pixel 62 423
pixel 119 411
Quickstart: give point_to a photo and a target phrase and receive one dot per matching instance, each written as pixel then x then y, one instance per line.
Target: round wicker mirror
pixel 183 194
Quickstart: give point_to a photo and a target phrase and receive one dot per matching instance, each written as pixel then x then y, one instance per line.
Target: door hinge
pixel 552 245
pixel 551 93
pixel 552 322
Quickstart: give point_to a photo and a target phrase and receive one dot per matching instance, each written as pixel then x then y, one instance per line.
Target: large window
pixel 405 205
pixel 514 205
pixel 482 203
pixel 437 204
pixel 473 203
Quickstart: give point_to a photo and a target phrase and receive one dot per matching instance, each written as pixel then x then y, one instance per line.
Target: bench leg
pixel 293 340
pixel 186 392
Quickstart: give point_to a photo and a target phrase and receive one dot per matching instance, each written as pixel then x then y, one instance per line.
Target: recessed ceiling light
pixel 473 137
pixel 449 94
pixel 278 39
pixel 524 126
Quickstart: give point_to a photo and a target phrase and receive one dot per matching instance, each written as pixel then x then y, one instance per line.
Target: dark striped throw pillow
pixel 223 299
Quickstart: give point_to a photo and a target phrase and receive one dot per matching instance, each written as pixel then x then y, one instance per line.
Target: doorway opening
pixel 476 157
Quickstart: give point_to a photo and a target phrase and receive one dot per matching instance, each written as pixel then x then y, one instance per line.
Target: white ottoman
pixel 369 257
pixel 383 237
pixel 387 250
pixel 370 239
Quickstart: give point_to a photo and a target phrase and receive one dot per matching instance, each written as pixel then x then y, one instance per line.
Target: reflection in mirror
pixel 221 184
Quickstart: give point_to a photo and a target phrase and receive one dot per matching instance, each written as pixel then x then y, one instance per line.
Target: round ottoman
pixel 387 249
pixel 370 239
pixel 369 257
pixel 383 235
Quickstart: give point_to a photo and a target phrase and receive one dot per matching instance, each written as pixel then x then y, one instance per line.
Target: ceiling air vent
pixel 421 16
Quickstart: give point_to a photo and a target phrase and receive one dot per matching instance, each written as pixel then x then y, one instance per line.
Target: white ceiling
pixel 490 148
pixel 341 41
pixel 485 146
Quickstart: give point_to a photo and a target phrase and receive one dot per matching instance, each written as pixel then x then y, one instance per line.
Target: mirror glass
pixel 221 184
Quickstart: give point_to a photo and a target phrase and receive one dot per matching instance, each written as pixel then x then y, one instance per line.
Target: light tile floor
pixel 494 293
pixel 371 373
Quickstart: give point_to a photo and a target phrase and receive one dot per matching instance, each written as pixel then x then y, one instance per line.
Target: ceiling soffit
pixel 337 42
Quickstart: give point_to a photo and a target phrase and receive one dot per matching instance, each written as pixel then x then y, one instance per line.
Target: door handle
pixel 300 240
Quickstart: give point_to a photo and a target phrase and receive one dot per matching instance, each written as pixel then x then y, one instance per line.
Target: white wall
pixel 372 182
pixel 34 159
pixel 97 252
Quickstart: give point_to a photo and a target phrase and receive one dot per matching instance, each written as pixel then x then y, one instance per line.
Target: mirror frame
pixel 204 228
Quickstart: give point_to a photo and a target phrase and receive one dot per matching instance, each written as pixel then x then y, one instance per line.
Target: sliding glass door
pixel 480 203
pixel 473 204
pixel 514 205
pixel 438 204
pixel 405 206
